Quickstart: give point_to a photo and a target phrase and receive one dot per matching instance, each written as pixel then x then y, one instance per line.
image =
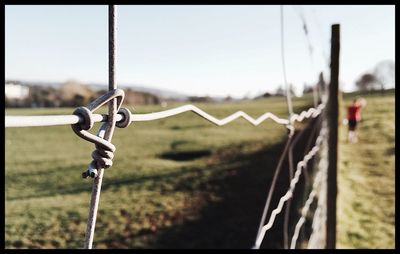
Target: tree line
pixel 74 94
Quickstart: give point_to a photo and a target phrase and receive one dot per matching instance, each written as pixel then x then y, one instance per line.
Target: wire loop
pixel 87 116
pixel 126 118
pixel 104 153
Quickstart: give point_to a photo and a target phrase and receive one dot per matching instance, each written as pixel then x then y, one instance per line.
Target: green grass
pixel 211 198
pixel 143 193
pixel 366 180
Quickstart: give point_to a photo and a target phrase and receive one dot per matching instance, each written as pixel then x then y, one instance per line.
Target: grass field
pixel 366 180
pixel 179 182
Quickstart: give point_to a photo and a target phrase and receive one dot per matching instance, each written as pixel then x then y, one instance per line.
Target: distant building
pixel 16 91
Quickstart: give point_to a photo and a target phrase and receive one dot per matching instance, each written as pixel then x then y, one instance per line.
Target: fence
pixel 323 152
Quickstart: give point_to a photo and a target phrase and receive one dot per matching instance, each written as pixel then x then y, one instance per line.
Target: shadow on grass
pixel 232 220
pixel 185 155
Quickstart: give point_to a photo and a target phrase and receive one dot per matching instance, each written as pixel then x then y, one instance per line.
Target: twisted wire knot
pixel 103 155
pixel 104 152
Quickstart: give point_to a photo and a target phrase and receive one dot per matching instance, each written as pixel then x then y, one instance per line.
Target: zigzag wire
pixel 50 120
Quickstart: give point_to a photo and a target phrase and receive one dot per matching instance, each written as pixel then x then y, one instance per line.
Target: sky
pixel 199 50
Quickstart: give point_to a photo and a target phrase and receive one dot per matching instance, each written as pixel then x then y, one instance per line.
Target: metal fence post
pixel 112 112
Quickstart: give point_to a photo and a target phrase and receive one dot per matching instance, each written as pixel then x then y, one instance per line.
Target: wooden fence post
pixel 333 121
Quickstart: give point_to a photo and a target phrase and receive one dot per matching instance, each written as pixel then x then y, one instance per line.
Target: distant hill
pixel 162 93
pixel 73 93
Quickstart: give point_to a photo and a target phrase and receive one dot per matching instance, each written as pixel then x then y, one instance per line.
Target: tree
pixel 73 93
pixel 266 95
pixel 380 77
pixel 280 91
pixel 321 85
pixel 384 72
pixel 307 89
pixel 78 100
pixel 228 98
pixel 367 81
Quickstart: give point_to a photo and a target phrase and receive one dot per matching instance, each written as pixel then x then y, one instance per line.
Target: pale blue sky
pixel 201 50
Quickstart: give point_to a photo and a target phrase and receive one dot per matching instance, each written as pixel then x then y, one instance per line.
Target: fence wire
pixel 300 165
pixel 51 120
pixel 320 177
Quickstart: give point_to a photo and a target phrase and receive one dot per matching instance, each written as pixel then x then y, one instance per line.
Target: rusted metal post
pixel 112 113
pixel 333 122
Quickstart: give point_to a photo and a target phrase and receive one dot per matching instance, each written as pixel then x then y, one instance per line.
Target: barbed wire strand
pixel 316 225
pixel 289 139
pixel 290 110
pixel 272 186
pixel 291 120
pixel 319 221
pixel 289 193
pixel 288 86
pixel 306 171
pixel 319 212
pixel 305 209
pixel 309 141
pixel 291 172
pixel 316 229
pixel 310 46
pixel 306 30
pixel 318 26
pixel 318 218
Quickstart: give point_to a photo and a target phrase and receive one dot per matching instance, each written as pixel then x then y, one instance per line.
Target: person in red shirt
pixel 353 117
